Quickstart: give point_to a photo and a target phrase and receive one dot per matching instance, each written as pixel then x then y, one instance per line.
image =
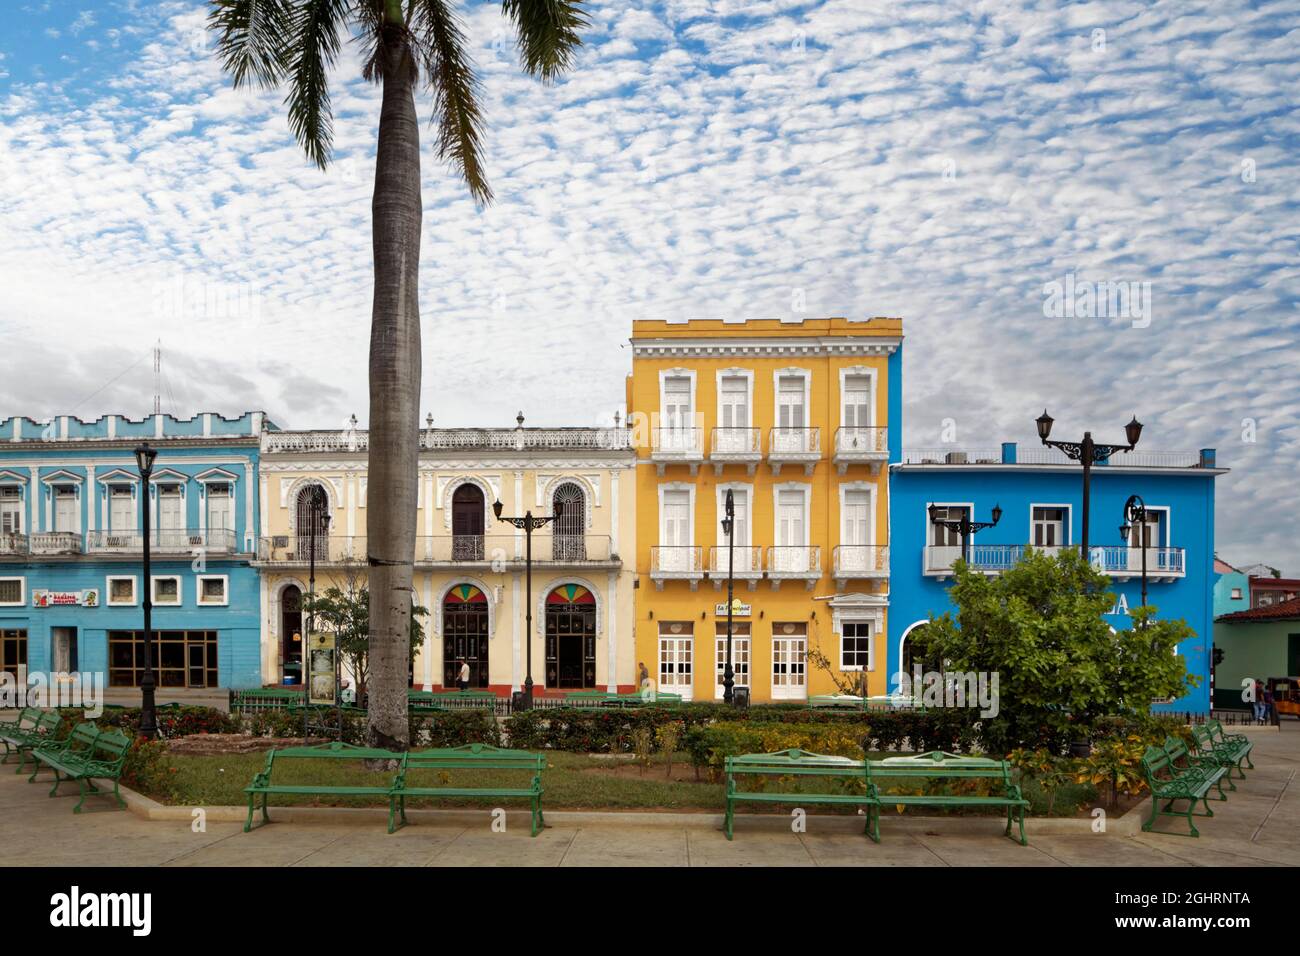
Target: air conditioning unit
pixel 955 458
pixel 196 541
pixel 280 541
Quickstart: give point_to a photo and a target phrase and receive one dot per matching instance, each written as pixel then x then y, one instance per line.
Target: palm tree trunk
pixel 394 397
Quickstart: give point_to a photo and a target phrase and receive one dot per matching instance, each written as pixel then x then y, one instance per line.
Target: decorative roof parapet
pixel 439 439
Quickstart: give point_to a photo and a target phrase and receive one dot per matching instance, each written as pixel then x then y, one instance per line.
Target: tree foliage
pixel 345 613
pixel 1040 626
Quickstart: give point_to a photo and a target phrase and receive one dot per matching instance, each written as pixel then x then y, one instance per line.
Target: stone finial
pixel 519 419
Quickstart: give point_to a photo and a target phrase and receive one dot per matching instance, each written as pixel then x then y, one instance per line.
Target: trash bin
pixel 740 696
pixel 516 702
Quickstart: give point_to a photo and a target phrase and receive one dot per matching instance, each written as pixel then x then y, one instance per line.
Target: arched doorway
pixel 907 656
pixel 465 635
pixel 569 543
pixel 291 633
pixel 306 528
pixel 571 637
pixel 467 510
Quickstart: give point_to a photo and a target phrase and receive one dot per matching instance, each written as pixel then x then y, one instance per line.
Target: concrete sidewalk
pixel 1257 826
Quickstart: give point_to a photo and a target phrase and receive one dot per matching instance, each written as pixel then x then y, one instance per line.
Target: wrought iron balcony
pixel 676 563
pixel 677 445
pixel 861 445
pixel 509 551
pixel 865 561
pixel 799 562
pixel 736 446
pixel 989 558
pixel 794 446
pixel 487 552
pixel 1124 563
pixel 748 565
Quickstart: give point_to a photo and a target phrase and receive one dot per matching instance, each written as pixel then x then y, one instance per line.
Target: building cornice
pixel 772 347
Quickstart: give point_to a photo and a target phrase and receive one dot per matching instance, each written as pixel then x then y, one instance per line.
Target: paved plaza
pixel 1257 826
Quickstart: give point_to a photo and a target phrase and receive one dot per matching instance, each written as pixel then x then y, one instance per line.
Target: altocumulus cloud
pixel 939 161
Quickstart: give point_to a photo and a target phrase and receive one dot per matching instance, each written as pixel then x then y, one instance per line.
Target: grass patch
pixel 570 781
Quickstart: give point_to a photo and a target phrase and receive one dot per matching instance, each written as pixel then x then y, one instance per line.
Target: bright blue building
pixel 71 548
pixel 1040 493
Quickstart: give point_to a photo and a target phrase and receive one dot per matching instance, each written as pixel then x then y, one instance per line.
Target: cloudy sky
pixel 943 162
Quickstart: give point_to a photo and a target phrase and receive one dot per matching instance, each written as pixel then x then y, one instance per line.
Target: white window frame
pixel 21 498
pixel 870 490
pixel 689 488
pixel 807 488
pixel 748 376
pixel 806 375
pixel 225 589
pixel 859 371
pixel 1166 524
pixel 108 590
pixel 720 660
pixel 686 373
pixel 784 692
pixel 871 644
pixel 153 590
pixel 736 487
pixel 1066 528
pixel 52 514
pixel 22 591
pixel 113 489
pixel 688 635
pixel 929 527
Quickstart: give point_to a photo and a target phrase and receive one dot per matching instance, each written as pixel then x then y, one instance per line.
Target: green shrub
pixel 710 746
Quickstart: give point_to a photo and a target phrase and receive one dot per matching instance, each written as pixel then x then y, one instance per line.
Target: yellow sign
pixel 322 683
pixel 737 609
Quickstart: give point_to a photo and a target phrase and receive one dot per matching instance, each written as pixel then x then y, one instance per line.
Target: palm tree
pixel 293 44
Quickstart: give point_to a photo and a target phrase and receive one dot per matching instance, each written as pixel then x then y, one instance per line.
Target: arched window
pixel 467 510
pixel 291 633
pixel 465 635
pixel 570 543
pixel 312 523
pixel 571 637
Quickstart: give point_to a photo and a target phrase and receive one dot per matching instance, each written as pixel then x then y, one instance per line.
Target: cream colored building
pixel 469 567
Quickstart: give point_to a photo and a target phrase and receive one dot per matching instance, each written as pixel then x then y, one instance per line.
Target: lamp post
pixel 1088 452
pixel 1135 512
pixel 964 526
pixel 529 523
pixel 144 459
pixel 729 526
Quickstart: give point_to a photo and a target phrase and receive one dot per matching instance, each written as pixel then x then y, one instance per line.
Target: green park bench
pixel 1229 754
pixel 1238 746
pixel 1171 784
pixel 596 698
pixel 15 733
pixel 422 700
pixel 460 699
pixel 789 765
pixel 264 786
pixel 1184 758
pixel 45 733
pixel 472 757
pixel 90 754
pixel 942 767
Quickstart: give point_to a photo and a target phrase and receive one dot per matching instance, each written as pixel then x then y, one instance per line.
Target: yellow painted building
pixel 793 418
pixel 469 567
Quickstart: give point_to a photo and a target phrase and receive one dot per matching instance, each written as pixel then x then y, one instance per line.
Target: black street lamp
pixel 529 524
pixel 964 526
pixel 1135 513
pixel 729 526
pixel 144 459
pixel 1088 452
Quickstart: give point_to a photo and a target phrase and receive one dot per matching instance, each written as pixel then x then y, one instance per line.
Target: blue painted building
pixel 71 576
pixel 1040 493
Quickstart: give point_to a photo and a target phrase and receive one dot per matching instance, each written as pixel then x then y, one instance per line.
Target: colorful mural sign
pixel 87 598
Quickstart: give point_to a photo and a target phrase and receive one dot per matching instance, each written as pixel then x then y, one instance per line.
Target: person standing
pixel 1259 700
pixel 462 681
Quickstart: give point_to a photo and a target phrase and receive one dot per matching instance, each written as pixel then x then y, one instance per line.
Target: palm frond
pixel 317 29
pixel 450 75
pixel 253 37
pixel 548 34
